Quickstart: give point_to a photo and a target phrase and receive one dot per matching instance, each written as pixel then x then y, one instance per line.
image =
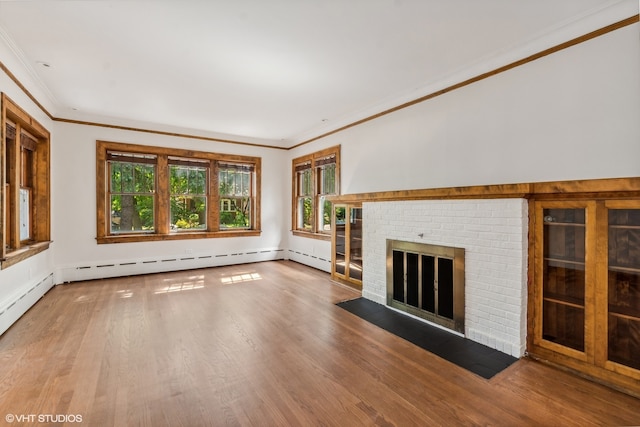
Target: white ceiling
pixel 278 71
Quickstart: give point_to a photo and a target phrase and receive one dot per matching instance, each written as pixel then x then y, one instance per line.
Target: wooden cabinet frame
pixel 349 234
pixel 593 361
pixel 602 297
pixel 589 291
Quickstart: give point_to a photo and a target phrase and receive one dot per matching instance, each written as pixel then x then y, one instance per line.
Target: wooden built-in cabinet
pixel 586 288
pixel 346 260
pixel 583 270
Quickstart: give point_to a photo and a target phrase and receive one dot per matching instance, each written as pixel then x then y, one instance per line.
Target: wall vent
pixel 20 302
pixel 145 266
pixel 309 259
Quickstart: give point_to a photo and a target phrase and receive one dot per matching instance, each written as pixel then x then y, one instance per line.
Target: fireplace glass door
pixel 424 282
pixel 427 281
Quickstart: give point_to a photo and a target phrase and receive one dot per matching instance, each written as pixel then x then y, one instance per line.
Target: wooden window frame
pixel 227 166
pixel 145 160
pixel 314 161
pixel 162 229
pixel 28 167
pixel 189 163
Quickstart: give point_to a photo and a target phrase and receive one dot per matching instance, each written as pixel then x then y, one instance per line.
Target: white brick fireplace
pixel 493 233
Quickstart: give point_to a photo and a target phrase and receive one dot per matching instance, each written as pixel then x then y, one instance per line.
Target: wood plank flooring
pixel 260 345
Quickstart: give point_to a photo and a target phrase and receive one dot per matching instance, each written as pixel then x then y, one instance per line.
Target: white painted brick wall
pixel 494 236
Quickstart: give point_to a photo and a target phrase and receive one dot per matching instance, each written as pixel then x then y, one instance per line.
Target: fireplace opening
pixel 427 281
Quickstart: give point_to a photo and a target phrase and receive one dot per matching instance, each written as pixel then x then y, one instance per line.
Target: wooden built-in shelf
pixel 632 270
pixel 624 227
pixel 565 301
pixel 564 261
pixel 595 334
pixel 564 224
pixel 625 312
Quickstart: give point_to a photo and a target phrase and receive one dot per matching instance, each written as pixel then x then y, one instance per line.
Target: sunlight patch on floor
pixel 125 293
pixel 243 277
pixel 191 283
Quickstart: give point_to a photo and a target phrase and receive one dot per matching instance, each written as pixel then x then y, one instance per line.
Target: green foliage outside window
pixel 235 190
pixel 132 199
pixel 187 185
pixel 132 189
pixel 306 211
pixel 326 215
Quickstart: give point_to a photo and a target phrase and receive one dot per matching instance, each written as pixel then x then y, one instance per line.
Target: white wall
pixel 21 285
pixel 571 115
pixel 77 254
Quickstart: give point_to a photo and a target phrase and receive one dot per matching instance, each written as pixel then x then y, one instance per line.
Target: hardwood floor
pixel 259 344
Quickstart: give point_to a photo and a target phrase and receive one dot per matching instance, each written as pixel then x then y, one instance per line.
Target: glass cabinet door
pixel 586 287
pixel 340 250
pixel 563 277
pixel 346 264
pixel 623 287
pixel 355 244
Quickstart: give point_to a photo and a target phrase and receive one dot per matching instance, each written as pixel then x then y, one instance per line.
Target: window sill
pixel 23 253
pixel 131 238
pixel 309 235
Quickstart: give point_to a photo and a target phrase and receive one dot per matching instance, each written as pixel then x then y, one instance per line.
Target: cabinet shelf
pixel 564 261
pixel 564 300
pixel 624 227
pixel 621 269
pixel 624 312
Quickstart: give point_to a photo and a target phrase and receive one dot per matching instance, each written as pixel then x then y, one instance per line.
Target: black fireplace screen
pixel 427 281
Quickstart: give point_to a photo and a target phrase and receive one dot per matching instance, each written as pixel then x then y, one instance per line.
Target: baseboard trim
pixel 160 264
pixel 16 305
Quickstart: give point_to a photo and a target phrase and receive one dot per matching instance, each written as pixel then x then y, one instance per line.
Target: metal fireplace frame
pixel 435 251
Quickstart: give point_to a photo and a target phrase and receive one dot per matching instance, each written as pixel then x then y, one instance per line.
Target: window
pixel 326 177
pixel 304 205
pixel 153 193
pixel 28 145
pixel 132 192
pixel 188 188
pixel 24 195
pixel 315 177
pixel 235 189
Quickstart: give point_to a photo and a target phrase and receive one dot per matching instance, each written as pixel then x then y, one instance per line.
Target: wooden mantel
pixel 610 188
